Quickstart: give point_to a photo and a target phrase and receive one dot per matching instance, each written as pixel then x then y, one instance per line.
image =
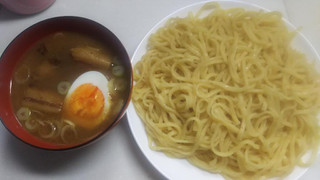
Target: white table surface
pixel 116 155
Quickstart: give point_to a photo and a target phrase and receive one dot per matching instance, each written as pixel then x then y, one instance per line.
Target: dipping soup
pixel 68 87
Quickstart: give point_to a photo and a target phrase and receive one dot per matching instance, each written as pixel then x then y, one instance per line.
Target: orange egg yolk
pixel 85 106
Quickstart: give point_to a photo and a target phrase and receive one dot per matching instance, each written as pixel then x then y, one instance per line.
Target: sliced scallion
pixel 118 71
pixel 63 87
pixel 47 129
pixel 23 113
pixel 68 133
pixel 31 124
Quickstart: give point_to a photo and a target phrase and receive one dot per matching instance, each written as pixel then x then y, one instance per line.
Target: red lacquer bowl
pixel 25 40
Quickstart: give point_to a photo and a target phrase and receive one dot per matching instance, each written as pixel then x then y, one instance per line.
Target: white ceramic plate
pixel 180 168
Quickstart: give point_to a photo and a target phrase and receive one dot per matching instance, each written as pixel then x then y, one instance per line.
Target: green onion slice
pixel 118 71
pixel 63 87
pixel 23 113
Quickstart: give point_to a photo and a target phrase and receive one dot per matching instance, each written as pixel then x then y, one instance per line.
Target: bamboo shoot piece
pixel 42 100
pixel 92 56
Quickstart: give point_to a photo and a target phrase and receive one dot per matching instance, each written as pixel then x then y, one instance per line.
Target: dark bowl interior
pixel 23 42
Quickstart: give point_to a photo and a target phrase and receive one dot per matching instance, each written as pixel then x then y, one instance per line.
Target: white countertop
pixel 116 155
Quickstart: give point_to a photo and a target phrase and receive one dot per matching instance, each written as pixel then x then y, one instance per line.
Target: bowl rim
pixel 5 87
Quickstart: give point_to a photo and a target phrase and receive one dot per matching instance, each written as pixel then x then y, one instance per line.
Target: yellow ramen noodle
pixel 228 93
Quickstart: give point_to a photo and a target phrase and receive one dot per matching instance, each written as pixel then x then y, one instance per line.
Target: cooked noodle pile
pixel 228 93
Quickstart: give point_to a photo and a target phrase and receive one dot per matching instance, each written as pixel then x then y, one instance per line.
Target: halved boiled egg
pixel 86 103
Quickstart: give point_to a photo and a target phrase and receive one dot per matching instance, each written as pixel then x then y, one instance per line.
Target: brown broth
pixel 49 62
